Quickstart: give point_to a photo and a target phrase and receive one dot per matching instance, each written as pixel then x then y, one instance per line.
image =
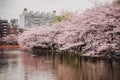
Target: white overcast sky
pixel 10 9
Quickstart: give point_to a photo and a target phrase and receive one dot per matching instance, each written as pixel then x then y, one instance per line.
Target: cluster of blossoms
pixel 10 39
pixel 96 30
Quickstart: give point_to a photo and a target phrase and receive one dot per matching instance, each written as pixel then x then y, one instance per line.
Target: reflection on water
pixel 18 65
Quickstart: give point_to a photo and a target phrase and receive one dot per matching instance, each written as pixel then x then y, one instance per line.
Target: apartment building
pixel 4 28
pixel 34 19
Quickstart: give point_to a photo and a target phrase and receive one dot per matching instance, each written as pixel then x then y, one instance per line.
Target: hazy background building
pixel 4 28
pixel 34 19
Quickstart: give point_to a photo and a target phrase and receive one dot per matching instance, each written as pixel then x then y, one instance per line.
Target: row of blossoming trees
pixel 95 31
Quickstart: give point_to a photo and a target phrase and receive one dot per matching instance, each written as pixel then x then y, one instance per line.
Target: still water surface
pixel 18 65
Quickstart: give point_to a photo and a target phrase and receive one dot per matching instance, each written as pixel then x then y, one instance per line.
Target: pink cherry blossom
pixel 95 30
pixel 12 39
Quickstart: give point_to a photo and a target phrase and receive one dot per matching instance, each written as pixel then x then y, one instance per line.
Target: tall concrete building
pixel 35 19
pixel 4 28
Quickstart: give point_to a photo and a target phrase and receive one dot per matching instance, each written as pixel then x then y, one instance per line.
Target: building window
pixel 5 35
pixel 4 29
pixel 4 32
pixel 4 26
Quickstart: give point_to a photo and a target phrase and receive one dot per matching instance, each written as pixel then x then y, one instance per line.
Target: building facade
pixel 4 28
pixel 31 19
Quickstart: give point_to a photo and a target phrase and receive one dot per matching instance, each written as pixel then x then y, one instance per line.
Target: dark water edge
pixel 68 53
pixel 19 65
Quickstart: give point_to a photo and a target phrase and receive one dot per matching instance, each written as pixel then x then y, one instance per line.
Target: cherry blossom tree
pixel 11 39
pixel 95 31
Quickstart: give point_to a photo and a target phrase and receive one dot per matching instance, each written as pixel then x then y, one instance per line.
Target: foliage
pixel 96 31
pixel 63 16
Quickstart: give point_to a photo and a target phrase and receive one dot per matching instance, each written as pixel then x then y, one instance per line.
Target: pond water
pixel 19 65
